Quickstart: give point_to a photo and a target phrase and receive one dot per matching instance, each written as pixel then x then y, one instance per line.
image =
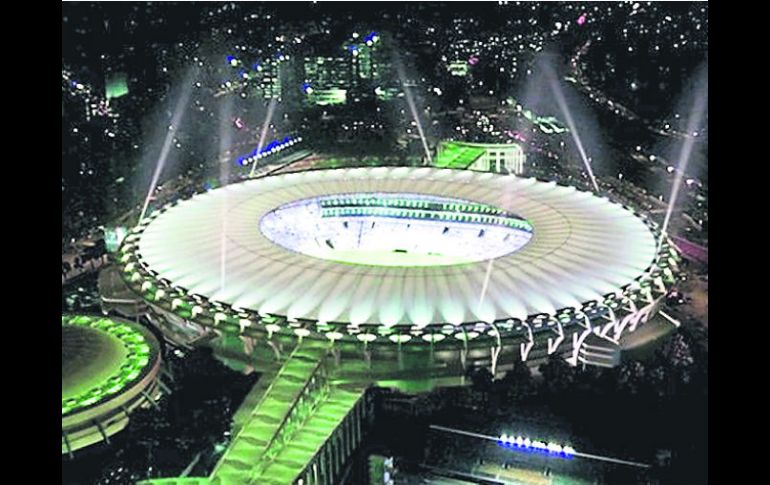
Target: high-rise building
pixel 361 70
pixel 268 79
pixel 366 55
pixel 327 80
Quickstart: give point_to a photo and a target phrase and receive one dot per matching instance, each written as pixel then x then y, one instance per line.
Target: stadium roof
pixel 583 247
pixel 101 357
pixel 109 368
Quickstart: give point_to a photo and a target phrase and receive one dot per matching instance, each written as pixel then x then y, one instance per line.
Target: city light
pixel 432 238
pixel 271 148
pixel 525 444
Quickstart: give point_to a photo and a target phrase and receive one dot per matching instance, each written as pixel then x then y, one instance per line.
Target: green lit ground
pixel 454 155
pixel 392 247
pixel 330 163
pixel 392 258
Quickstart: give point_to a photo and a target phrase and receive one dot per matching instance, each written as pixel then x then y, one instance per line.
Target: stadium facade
pixel 110 368
pixel 590 271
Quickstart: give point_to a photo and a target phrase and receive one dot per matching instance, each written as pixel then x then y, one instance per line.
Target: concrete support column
pixel 330 462
pixel 494 354
pixel 336 455
pixel 350 438
pixel 357 421
pixel 345 438
pixel 323 466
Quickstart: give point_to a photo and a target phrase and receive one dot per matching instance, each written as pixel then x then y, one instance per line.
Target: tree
pixel 679 352
pixel 481 378
pixel 558 376
pixel 518 383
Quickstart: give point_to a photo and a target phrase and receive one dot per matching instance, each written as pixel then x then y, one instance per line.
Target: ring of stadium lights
pixel 648 287
pixel 137 359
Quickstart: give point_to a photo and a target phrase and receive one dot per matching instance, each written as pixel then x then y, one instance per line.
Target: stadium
pixel 109 368
pixel 434 269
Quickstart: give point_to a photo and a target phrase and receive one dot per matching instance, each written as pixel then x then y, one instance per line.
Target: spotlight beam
pixel 562 102
pixel 270 110
pixel 176 120
pixel 693 123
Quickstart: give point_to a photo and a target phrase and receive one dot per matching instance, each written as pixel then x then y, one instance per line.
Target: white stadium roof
pixel 583 247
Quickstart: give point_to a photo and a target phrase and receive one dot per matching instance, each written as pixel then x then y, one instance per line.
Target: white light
pixel 554 448
pixel 334 336
pixel 433 337
pixel 366 337
pixel 400 338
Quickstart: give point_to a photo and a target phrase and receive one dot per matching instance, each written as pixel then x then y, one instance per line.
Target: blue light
pixel 371 36
pixel 275 144
pixel 230 59
pixel 534 447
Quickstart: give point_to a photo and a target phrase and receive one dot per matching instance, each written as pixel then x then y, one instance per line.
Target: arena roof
pixel 109 367
pixel 583 247
pixel 100 358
